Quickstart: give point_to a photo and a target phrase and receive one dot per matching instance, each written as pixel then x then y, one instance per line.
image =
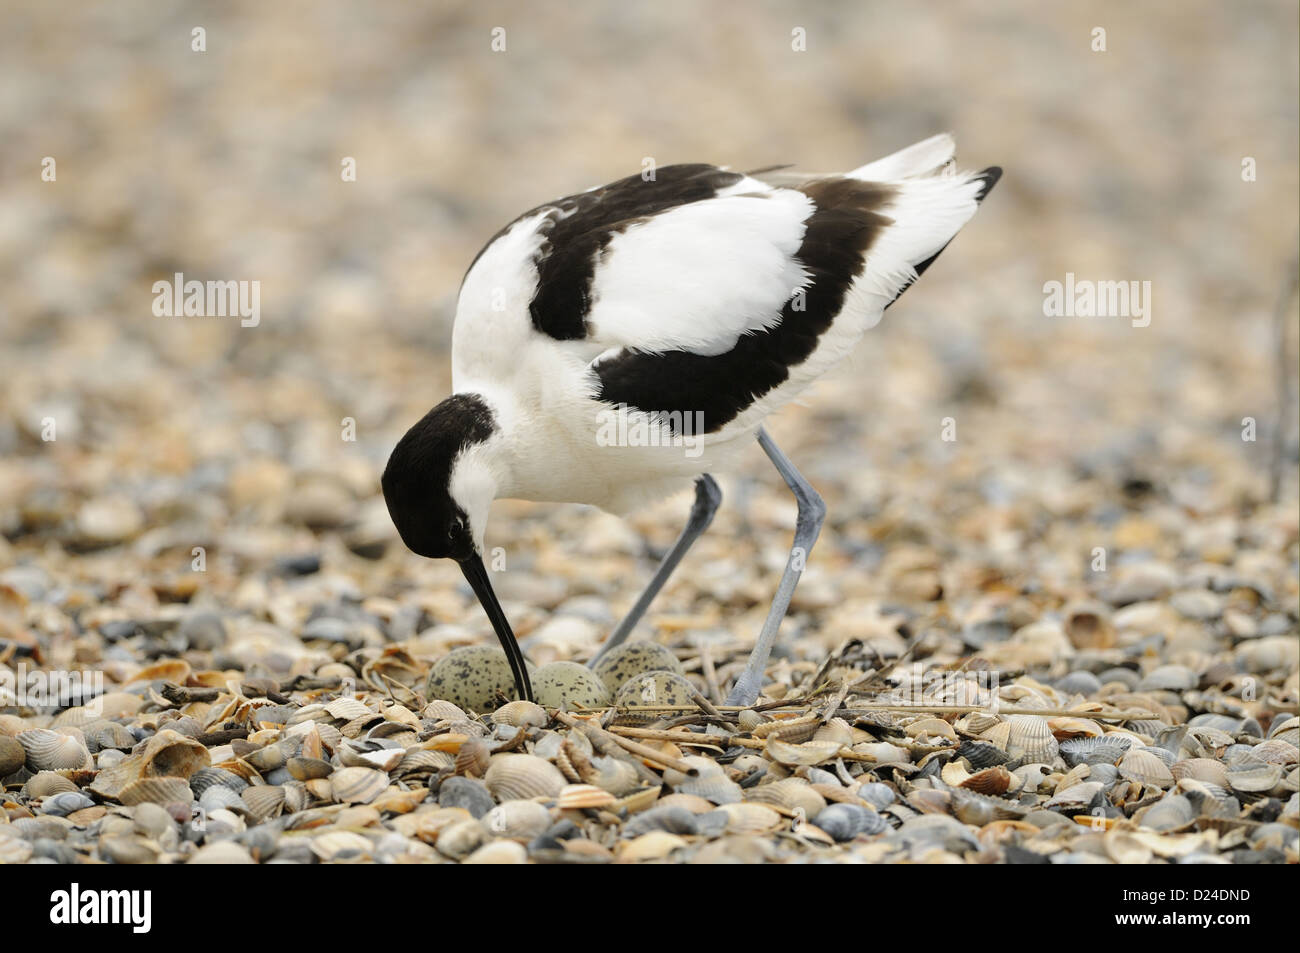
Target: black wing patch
pixel 838 234
pixel 582 227
pixel 579 227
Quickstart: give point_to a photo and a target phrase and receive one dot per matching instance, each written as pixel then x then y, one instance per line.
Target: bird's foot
pixel 744 693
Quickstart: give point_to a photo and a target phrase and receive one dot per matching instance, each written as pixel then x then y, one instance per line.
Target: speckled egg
pixel 631 659
pixel 653 688
pixel 568 685
pixel 471 676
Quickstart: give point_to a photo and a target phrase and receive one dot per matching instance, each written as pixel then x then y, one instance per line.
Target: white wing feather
pixel 698 276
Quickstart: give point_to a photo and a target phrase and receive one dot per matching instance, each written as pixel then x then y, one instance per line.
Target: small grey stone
pixel 468 793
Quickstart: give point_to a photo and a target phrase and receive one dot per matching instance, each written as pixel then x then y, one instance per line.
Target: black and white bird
pixel 687 304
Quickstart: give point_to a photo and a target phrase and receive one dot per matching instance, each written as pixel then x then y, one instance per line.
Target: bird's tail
pixel 927 157
pixel 932 200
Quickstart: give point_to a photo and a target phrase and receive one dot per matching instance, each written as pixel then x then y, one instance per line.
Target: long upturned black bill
pixel 476 573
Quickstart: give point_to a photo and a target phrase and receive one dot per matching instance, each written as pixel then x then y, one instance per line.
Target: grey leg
pixel 812 512
pixel 707 499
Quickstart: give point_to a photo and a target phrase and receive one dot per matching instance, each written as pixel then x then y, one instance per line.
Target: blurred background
pixel 173 433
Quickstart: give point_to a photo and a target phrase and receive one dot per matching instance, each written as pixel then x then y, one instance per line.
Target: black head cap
pixel 417 480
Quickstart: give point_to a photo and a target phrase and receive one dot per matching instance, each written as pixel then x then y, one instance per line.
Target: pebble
pixel 467 793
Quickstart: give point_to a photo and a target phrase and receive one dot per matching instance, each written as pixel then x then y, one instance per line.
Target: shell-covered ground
pixel 1053 611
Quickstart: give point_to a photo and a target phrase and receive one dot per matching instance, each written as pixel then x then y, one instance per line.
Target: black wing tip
pixel 990 178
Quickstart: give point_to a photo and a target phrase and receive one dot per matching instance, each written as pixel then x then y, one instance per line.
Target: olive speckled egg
pixel 567 685
pixel 656 688
pixel 633 658
pixel 471 676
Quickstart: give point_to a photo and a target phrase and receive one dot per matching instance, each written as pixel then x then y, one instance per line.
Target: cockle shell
pixel 955 772
pixel 474 756
pixel 976 724
pixel 995 780
pixel 218 797
pixel 981 754
pixel 691 802
pixel 750 818
pixel 338 845
pixel 1170 813
pixel 423 761
pixel 789 730
pixel 1209 799
pixel 789 794
pixel 514 776
pixel 882 752
pixel 158 790
pixel 700 767
pixel 977 809
pixel 205 778
pixel 393 800
pixel 839 794
pixel 357 785
pixel 844 822
pixel 1276 751
pixel 998 734
pixel 655 845
pixel 1254 777
pixel 836 730
pixel 1076 797
pixel 583 796
pixel 53 751
pixel 1145 767
pixel 1286 729
pixel 1124 847
pixel 1030 739
pixel 521 714
pixel 381 759
pixel 347 708
pixel 272 756
pixel 808 753
pixel 265 801
pixel 166 754
pixel 295 797
pixel 717 788
pixel 1201 769
pixel 931 727
pixel 1065 728
pixel 930 801
pixel 614 775
pixel 442 710
pixel 1107 749
pixel 308 769
pixel 47 784
pixel 108 734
